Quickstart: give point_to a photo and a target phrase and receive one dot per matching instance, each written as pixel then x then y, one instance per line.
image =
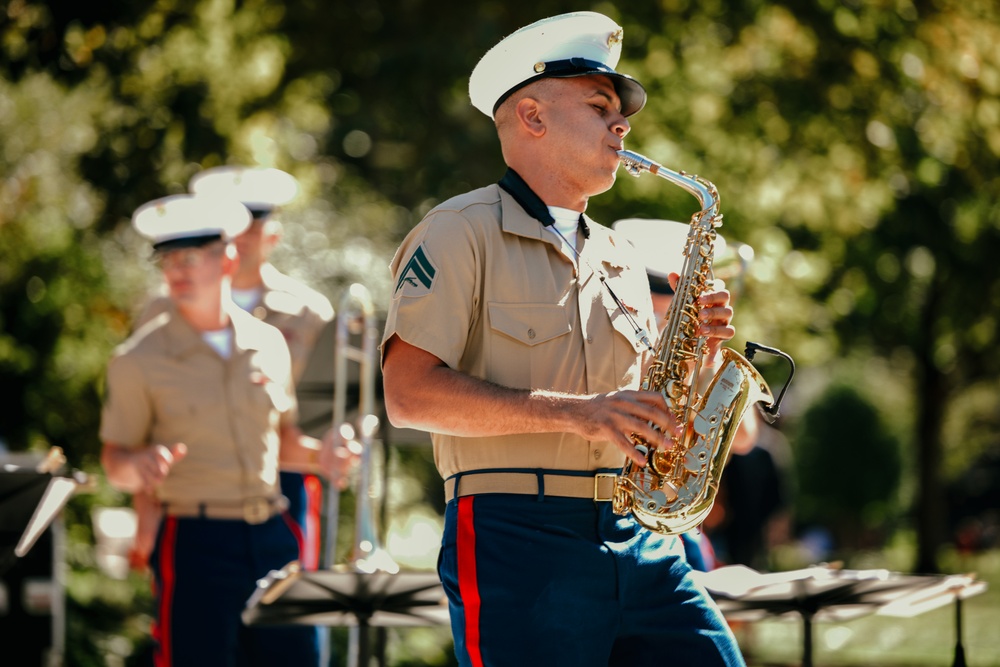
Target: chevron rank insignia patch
pixel 417 275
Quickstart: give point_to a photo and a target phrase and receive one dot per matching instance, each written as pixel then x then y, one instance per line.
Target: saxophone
pixel 677 487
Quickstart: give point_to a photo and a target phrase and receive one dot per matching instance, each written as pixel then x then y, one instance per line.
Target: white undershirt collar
pixel 220 340
pixel 247 299
pixel 567 223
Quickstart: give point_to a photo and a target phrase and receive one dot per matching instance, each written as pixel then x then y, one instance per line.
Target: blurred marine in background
pixel 298 311
pixel 661 245
pixel 295 309
pixel 200 414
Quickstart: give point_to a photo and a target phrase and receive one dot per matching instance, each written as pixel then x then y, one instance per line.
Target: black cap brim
pixel 631 93
pixel 185 242
pixel 259 213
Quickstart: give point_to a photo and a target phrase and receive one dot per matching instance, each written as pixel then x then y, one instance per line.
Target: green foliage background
pixel 854 143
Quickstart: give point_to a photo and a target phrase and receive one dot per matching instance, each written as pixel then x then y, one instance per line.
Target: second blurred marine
pixel 200 414
pixel 295 309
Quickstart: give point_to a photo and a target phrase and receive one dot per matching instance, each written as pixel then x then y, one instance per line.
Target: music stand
pixel 348 598
pixel 29 501
pixel 832 594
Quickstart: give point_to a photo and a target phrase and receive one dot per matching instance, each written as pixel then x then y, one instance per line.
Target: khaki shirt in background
pixel 483 286
pixel 294 308
pixel 165 384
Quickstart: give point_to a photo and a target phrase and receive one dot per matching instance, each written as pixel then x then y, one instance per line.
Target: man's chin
pixel 182 297
pixel 607 184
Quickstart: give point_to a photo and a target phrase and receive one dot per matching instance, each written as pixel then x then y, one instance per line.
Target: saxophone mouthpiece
pixel 635 164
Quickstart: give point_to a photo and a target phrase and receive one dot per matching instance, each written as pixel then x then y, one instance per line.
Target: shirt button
pixel 260 312
pixel 597 453
pixel 590 339
pixel 531 333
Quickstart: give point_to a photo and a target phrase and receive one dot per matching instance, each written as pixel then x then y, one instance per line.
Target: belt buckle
pixel 256 510
pixel 597 485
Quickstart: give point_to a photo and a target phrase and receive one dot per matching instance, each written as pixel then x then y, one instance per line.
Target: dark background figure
pixel 974 504
pixel 752 513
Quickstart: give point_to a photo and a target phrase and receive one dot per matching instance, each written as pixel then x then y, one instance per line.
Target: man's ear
pixel 529 115
pixel 230 260
pixel 271 237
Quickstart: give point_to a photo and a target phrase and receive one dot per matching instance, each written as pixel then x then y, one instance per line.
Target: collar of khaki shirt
pixel 182 338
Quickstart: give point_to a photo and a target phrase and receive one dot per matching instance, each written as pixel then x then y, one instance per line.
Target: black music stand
pixel 348 598
pixel 832 594
pixel 31 498
pixel 29 501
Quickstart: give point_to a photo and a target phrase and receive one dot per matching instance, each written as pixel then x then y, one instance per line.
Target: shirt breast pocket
pixel 527 341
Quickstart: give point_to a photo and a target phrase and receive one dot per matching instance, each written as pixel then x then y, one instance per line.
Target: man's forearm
pixel 424 393
pixel 445 401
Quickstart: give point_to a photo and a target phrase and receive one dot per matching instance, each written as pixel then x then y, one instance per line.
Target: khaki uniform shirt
pixel 165 384
pixel 295 309
pixel 483 286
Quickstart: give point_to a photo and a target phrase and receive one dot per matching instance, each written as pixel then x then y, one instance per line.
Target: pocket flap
pixel 529 323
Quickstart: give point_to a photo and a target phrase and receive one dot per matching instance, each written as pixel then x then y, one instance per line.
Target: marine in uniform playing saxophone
pixel 518 335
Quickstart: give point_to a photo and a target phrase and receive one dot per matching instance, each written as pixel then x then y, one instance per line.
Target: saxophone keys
pixel 655 501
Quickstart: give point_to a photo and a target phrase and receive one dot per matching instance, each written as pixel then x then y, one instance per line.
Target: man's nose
pixel 621 126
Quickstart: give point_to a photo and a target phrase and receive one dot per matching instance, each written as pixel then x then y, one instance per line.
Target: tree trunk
pixel 932 394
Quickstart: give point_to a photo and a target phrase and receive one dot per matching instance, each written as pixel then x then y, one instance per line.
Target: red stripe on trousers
pixel 314 503
pixel 468 584
pixel 296 531
pixel 163 656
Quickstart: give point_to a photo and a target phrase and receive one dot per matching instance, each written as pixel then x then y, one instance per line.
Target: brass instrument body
pixel 677 488
pixel 356 315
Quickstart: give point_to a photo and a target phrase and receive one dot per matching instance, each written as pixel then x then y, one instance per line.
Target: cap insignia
pixel 615 37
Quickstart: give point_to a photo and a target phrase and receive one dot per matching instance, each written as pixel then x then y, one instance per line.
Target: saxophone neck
pixel 701 189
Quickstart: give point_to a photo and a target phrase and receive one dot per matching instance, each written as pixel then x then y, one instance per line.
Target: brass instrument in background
pixel 356 315
pixel 676 489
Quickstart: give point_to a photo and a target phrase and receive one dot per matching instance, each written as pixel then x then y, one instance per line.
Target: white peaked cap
pixel 261 189
pixel 180 221
pixel 568 45
pixel 660 244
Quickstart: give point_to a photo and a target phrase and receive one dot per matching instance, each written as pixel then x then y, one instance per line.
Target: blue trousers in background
pixel 204 572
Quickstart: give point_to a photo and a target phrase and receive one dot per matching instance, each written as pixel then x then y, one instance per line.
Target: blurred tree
pixel 55 303
pixel 848 469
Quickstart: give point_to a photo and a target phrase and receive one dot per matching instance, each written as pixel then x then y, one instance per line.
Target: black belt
pixel 597 485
